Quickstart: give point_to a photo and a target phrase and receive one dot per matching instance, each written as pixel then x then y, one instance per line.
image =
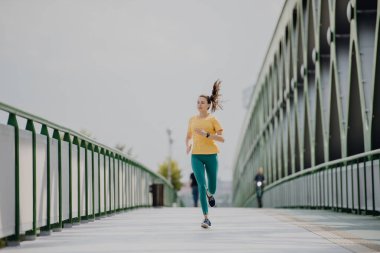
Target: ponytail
pixel 214 98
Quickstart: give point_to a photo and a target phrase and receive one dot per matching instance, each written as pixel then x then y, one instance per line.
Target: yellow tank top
pixel 201 144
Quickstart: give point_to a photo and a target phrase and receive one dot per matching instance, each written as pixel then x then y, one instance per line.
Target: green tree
pixel 175 173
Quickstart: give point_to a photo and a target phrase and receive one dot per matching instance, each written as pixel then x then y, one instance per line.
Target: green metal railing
pixel 74 178
pixel 350 184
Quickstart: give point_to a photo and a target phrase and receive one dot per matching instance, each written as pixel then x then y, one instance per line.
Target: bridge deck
pixel 233 230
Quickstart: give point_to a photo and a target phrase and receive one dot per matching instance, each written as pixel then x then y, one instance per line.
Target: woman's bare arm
pixel 188 143
pixel 216 137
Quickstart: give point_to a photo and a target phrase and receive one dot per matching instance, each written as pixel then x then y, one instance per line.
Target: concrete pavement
pixel 233 230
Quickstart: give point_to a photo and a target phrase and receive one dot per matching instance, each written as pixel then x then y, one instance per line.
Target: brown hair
pixel 214 98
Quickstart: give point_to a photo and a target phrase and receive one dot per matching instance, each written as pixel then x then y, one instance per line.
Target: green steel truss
pixel 314 118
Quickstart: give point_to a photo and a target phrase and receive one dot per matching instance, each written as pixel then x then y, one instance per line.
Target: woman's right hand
pixel 188 149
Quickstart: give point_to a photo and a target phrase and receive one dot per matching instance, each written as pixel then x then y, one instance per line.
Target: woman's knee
pixel 212 181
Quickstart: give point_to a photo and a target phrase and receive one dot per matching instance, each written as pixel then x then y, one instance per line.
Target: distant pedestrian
pixel 260 180
pixel 204 129
pixel 194 188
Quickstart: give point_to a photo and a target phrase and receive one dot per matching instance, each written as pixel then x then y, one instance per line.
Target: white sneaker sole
pixel 204 225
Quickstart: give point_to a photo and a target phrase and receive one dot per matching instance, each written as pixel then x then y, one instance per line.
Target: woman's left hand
pixel 201 132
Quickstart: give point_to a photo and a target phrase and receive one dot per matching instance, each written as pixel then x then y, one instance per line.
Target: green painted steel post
pixel 352 187
pixel 365 185
pixel 114 183
pixel 346 165
pixel 92 180
pixel 67 138
pixel 125 189
pixel 118 183
pixel 123 183
pixel 58 138
pixel 120 195
pixel 341 186
pixel 336 189
pixel 15 239
pixel 101 189
pixel 133 194
pixel 30 127
pixel 127 184
pixel 105 182
pixel 76 142
pixel 46 230
pixel 110 183
pixel 140 187
pixel 332 187
pixel 84 145
pixel 98 200
pixel 320 189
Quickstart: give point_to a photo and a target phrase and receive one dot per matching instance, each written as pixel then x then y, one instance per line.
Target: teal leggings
pixel 200 163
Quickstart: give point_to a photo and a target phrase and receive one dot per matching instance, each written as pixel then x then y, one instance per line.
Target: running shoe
pixel 206 223
pixel 211 200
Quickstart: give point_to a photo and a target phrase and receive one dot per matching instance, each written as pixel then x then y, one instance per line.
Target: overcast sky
pixel 126 70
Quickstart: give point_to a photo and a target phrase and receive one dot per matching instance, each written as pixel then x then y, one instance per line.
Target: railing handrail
pixel 329 164
pixel 52 125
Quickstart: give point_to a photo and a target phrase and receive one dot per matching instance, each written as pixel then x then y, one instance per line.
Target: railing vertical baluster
pixel 84 145
pixel 58 138
pixel 69 223
pixel 46 230
pixel 365 184
pixel 15 239
pixel 358 186
pixel 373 188
pixel 105 181
pixel 76 142
pixel 92 180
pixel 98 181
pixel 31 235
pixel 113 185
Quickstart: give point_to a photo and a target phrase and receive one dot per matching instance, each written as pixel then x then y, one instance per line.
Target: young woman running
pixel 204 129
